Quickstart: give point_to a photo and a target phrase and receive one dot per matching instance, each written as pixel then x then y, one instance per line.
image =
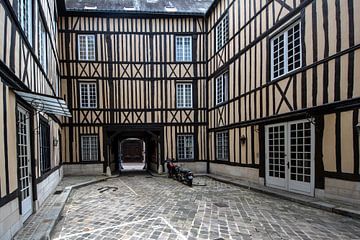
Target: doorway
pixel 24 161
pixel 290 156
pixel 132 154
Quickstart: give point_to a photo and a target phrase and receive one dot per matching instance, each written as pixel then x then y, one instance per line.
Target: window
pixel 44 146
pixel 184 95
pixel 286 51
pixel 86 44
pixel 222 146
pixel 185 146
pixel 89 148
pixel 222 32
pixel 42 45
pixel 221 88
pixel 183 49
pixel 88 97
pixel 25 17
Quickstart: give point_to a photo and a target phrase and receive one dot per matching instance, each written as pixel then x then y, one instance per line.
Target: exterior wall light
pixel 242 139
pixel 55 141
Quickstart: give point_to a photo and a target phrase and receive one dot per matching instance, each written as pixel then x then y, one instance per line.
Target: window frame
pixel 27 29
pixel 182 105
pixel 183 49
pixel 42 50
pixel 45 150
pixel 284 32
pixel 82 136
pixel 86 47
pixel 224 147
pixel 225 88
pixel 186 157
pixel 224 35
pixel 81 104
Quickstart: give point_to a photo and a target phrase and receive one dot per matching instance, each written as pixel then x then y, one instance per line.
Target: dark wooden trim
pixel 294 73
pixel 8 198
pixel 319 165
pixel 338 142
pixel 262 159
pixel 356 136
pixel 234 164
pixel 299 114
pixel 343 176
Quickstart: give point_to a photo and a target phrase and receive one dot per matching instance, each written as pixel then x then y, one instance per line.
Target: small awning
pixel 45 103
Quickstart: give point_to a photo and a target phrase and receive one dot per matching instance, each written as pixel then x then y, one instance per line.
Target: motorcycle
pixel 179 173
pixel 186 176
pixel 171 166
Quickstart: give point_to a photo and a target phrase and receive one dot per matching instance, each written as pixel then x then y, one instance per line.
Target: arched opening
pixel 132 154
pixel 133 149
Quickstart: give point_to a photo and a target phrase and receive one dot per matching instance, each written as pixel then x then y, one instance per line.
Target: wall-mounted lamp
pixel 55 141
pixel 242 139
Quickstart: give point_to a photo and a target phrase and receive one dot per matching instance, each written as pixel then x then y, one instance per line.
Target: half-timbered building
pixel 264 90
pixel 30 109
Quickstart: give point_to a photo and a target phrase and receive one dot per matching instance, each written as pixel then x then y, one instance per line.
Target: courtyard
pixel 141 206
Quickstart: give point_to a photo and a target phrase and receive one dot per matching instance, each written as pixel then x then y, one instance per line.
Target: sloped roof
pixel 147 6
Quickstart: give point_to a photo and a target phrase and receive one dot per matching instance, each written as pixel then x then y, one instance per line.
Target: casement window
pixel 286 51
pixel 86 45
pixel 222 88
pixel 25 17
pixel 88 95
pixel 222 32
pixel 89 148
pixel 222 146
pixel 184 95
pixel 42 45
pixel 183 49
pixel 185 147
pixel 44 146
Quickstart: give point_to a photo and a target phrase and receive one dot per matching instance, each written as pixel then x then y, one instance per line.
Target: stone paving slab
pixel 346 209
pixel 143 207
pixel 42 222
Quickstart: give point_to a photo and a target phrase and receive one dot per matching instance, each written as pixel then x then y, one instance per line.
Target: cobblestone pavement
pixel 144 207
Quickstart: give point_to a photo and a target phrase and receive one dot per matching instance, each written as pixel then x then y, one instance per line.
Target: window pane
pixel 294 48
pixel 86 45
pixel 184 95
pixel 183 48
pixel 89 148
pixel 185 146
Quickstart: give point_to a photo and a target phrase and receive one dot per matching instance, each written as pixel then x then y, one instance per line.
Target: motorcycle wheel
pixel 189 183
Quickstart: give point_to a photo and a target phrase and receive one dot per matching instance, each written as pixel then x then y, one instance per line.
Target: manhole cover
pixel 221 205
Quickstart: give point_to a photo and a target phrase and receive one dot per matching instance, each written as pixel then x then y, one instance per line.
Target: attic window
pixel 170 7
pixel 90 7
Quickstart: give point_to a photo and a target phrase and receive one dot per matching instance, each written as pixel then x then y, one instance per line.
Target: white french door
pixel 24 159
pixel 290 156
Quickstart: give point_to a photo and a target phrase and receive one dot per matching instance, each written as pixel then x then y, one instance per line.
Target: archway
pixel 132 154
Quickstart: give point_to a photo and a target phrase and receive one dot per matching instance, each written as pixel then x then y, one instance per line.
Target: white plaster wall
pixel 47 186
pixel 338 189
pixel 10 221
pixel 195 167
pixel 83 169
pixel 250 174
